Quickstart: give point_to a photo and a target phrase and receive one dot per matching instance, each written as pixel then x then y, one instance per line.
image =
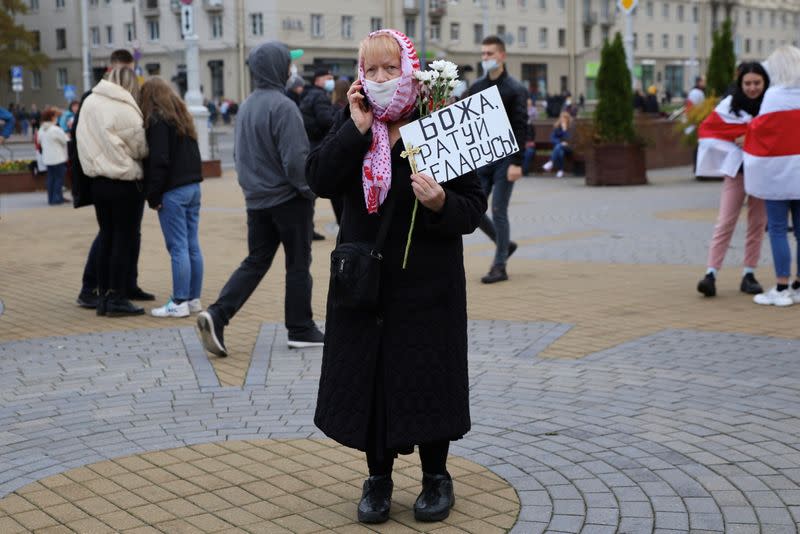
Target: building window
pixel 216 26
pixel 216 66
pixel 36 81
pixel 153 30
pixel 694 43
pixel 60 4
pixel 679 42
pixel 522 3
pixel 648 39
pixel 501 4
pixel 587 37
pixel 522 36
pixel 665 11
pixel 561 5
pixel 747 46
pixel 680 12
pixel 478 31
pixel 347 27
pixel 411 26
pixel 542 4
pixel 543 37
pixel 771 45
pixel 375 24
pixel 501 31
pixel 649 9
pixel 257 23
pixel 635 40
pixel 95 33
pixel 760 46
pixel 61 77
pixel 317 29
pixel 748 17
pixel 562 38
pixel 664 41
pixel 130 32
pixel 110 34
pixel 94 3
pixel 771 19
pixel 37 40
pixel 455 31
pixel 33 5
pixel 436 31
pixel 760 18
pixel 604 34
pixel 61 39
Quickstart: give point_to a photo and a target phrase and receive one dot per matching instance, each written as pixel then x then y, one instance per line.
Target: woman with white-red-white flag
pixel 721 136
pixel 772 168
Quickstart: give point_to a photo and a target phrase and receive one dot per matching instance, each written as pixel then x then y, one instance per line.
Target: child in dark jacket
pixel 561 148
pixel 173 175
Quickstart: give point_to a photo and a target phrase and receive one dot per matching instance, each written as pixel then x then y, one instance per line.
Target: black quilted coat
pixel 418 339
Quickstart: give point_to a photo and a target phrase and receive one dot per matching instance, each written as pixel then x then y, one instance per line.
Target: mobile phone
pixel 365 102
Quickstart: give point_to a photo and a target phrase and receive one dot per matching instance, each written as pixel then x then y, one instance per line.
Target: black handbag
pixel 356 269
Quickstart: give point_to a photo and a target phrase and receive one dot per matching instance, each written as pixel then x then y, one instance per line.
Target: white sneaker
pixel 560 174
pixel 195 306
pixel 773 297
pixel 170 309
pixel 548 166
pixel 795 295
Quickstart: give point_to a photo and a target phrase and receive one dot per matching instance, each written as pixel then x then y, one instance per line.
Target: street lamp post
pixel 194 98
pixel 627 7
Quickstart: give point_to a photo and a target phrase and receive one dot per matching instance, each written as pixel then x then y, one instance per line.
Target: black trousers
pixel 433 456
pixel 289 224
pixel 117 208
pixel 89 281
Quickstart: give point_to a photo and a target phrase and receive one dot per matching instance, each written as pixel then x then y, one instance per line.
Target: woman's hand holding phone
pixel 360 111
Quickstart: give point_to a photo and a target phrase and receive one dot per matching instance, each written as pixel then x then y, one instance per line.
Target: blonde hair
pixel 561 117
pixel 783 66
pixel 378 45
pixel 125 78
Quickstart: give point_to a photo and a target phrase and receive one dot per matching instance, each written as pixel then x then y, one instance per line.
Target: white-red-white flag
pixel 717 152
pixel 772 147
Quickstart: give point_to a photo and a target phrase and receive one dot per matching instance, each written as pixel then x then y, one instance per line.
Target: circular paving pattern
pixel 262 486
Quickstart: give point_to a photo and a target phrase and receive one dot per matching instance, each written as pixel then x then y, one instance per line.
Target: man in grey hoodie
pixel 271 147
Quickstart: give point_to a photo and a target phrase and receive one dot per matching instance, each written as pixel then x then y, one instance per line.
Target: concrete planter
pixel 25 182
pixel 616 164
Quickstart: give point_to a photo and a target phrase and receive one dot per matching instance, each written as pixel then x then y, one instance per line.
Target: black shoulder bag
pixel 356 269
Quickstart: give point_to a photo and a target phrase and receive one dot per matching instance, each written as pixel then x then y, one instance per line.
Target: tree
pixel 17 43
pixel 613 117
pixel 722 63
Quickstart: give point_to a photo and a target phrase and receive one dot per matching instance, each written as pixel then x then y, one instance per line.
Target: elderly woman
pixel 395 376
pixel 111 146
pixel 772 169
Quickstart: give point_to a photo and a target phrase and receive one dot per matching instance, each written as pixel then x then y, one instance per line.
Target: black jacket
pixel 317 109
pixel 515 100
pixel 418 339
pixel 173 161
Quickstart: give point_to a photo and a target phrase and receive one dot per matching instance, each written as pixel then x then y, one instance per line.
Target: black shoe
pixel 102 303
pixel 750 285
pixel 211 334
pixel 316 236
pixel 88 299
pixel 314 338
pixel 708 286
pixel 496 274
pixel 376 499
pixel 436 499
pixel 117 306
pixel 512 247
pixel 138 293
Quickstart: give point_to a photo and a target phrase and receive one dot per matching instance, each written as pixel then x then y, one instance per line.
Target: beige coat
pixel 54 144
pixel 111 138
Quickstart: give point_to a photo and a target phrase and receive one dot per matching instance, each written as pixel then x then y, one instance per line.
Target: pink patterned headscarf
pixel 377 167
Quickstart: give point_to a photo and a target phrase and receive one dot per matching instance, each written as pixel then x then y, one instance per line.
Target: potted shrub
pixel 17 176
pixel 615 155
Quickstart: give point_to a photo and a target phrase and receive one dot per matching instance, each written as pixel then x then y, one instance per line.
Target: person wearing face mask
pixel 498 178
pixel 721 137
pixel 395 376
pixel 271 151
pixel 317 109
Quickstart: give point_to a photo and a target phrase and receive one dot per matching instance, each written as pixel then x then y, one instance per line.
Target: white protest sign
pixel 461 137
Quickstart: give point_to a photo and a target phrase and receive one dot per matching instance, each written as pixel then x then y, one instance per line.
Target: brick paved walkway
pixel 607 396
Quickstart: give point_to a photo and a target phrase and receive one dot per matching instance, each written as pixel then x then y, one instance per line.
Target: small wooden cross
pixel 409 154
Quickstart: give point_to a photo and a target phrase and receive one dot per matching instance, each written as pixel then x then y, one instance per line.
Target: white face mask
pixel 381 93
pixel 329 85
pixel 489 65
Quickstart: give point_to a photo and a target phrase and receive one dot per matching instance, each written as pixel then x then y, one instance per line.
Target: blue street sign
pixel 70 92
pixel 16 73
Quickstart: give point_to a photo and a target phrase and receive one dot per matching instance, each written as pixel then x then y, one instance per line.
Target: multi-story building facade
pixel 553 45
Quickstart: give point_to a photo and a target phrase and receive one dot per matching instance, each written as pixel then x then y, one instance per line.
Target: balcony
pixel 410 7
pixel 149 7
pixel 605 18
pixel 437 10
pixel 213 5
pixel 589 18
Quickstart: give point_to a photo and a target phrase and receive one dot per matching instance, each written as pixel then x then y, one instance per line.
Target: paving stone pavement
pixel 675 432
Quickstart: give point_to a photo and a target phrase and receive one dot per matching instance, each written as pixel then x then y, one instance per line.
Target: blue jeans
pixel 495 182
pixel 777 218
pixel 179 217
pixel 559 153
pixel 55 183
pixel 527 158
